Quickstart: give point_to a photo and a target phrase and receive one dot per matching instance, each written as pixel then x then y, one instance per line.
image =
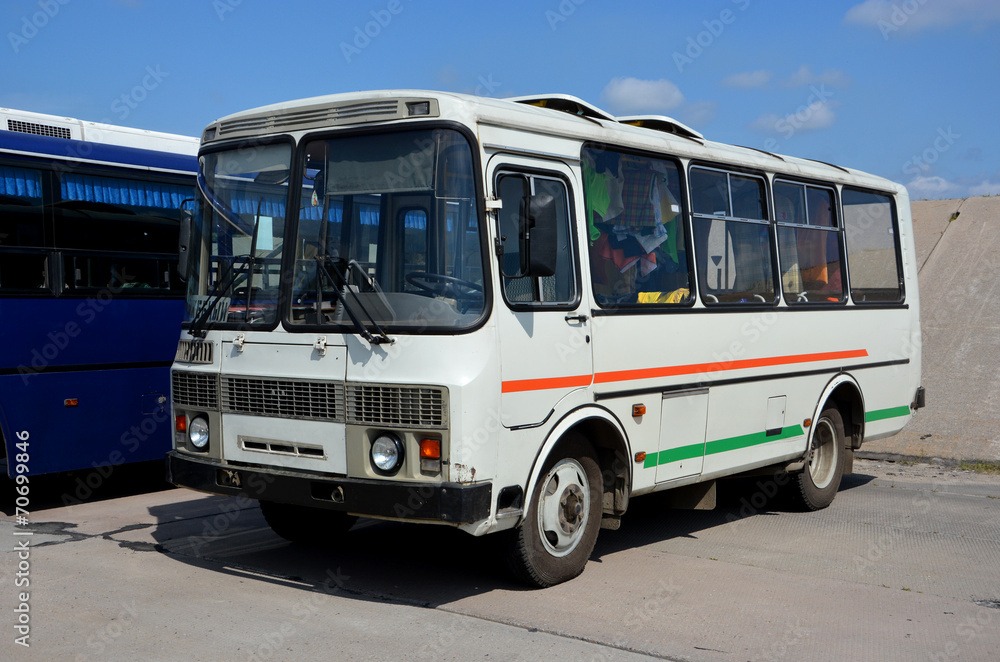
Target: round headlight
pixel 387 454
pixel 198 432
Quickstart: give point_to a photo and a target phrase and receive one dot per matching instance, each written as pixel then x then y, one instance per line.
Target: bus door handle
pixel 582 319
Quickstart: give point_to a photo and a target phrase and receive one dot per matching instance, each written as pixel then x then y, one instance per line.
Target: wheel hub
pixel 571 509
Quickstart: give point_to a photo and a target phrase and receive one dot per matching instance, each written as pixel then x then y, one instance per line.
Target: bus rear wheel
pixel 817 485
pixel 304 525
pixel 554 541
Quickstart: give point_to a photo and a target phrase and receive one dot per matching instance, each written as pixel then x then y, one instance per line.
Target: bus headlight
pixel 387 454
pixel 198 432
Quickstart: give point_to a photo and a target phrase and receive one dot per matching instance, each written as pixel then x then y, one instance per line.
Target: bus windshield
pixel 244 193
pixel 388 234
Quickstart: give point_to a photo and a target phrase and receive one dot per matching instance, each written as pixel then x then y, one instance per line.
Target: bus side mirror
pixel 185 231
pixel 540 237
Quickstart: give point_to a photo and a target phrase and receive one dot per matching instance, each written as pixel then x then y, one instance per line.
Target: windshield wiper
pixel 377 338
pixel 202 316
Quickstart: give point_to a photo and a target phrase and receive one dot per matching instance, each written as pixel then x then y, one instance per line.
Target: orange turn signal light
pixel 430 449
pixel 71 402
pixel 640 456
pixel 181 423
pixel 806 423
pixel 638 410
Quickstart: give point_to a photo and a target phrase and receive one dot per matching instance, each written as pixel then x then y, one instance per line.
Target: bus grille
pixel 284 398
pixel 195 389
pixel 401 406
pixel 389 405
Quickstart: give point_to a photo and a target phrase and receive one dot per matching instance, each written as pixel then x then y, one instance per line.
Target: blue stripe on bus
pixel 81 149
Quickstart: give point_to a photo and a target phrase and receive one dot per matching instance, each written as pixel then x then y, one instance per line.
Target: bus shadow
pixel 413 564
pixel 650 519
pixel 75 487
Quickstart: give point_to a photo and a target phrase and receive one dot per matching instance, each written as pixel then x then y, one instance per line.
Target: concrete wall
pixel 959 272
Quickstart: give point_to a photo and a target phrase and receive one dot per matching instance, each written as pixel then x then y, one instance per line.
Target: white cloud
pixel 917 15
pixel 749 79
pixel 632 95
pixel 817 115
pixel 804 76
pixel 934 188
pixel 986 188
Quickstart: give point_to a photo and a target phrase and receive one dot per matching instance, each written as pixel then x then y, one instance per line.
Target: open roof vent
pixel 565 103
pixel 661 123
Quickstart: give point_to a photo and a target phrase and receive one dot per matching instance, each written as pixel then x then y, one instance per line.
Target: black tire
pixel 816 486
pixel 304 525
pixel 568 495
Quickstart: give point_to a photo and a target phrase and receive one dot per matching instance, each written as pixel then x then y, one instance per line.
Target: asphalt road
pixel 905 565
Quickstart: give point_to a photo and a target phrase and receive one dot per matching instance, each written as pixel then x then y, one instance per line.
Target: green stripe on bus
pixel 673 455
pixel 891 412
pixel 747 440
pixel 719 446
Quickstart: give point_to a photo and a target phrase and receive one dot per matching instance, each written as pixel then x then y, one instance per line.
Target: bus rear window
pixel 872 248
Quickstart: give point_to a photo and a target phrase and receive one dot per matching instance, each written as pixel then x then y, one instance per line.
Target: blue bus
pixel 90 295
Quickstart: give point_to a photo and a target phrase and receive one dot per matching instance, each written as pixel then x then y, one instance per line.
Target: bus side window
pixel 22 244
pixel 515 189
pixel 809 243
pixel 636 229
pixel 732 237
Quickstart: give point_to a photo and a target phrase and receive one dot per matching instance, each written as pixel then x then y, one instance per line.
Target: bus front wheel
pixel 304 525
pixel 817 485
pixel 554 541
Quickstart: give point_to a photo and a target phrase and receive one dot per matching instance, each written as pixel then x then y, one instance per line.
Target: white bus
pixel 515 315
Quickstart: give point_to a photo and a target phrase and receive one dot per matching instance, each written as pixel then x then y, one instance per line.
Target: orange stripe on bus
pixel 719 366
pixel 521 385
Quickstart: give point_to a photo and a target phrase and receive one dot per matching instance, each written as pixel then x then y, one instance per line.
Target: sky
pixel 905 89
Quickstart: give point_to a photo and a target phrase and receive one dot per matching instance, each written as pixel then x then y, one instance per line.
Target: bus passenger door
pixel 683 421
pixel 544 325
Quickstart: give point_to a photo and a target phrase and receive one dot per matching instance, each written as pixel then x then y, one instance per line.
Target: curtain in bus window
pixel 20 183
pixel 118 232
pixel 22 235
pixel 125 192
pixel 637 244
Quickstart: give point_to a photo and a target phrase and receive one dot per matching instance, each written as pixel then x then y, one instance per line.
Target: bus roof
pixel 23 121
pixel 557 115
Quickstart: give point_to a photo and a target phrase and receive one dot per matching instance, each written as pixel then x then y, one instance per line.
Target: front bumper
pixel 442 502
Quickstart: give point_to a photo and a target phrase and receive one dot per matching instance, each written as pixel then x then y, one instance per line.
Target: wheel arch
pixel 844 392
pixel 606 434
